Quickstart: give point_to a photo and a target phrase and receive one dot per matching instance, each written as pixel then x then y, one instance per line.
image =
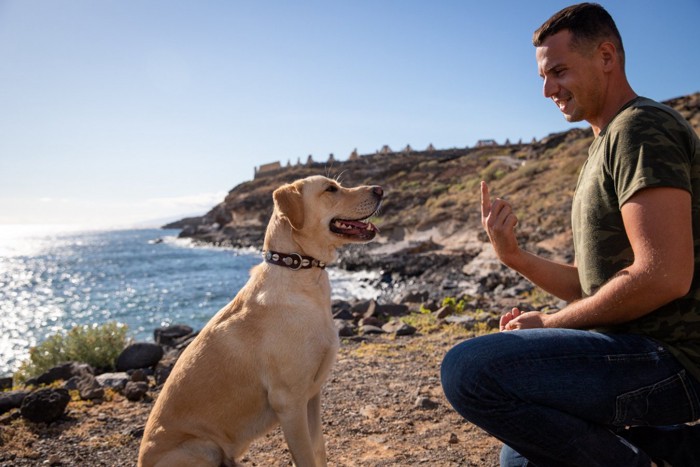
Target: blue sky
pixel 119 112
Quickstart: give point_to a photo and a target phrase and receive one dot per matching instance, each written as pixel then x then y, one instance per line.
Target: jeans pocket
pixel 669 401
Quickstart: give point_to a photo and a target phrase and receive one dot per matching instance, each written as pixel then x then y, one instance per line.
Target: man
pixel 559 389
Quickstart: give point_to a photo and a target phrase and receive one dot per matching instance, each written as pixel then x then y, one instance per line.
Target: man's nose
pixel 549 87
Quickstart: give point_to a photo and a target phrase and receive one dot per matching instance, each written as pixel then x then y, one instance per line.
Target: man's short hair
pixel 589 24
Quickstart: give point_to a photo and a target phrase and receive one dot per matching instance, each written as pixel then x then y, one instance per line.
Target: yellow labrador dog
pixel 263 358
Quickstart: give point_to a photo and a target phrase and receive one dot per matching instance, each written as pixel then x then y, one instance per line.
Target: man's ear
pixel 608 54
pixel 289 202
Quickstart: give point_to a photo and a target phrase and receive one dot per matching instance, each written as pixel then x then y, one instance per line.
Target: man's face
pixel 571 79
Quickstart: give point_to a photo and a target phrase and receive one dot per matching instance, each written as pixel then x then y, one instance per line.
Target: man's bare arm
pixel 561 280
pixel 658 222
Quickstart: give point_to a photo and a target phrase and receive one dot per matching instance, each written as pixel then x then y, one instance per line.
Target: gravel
pixel 382 406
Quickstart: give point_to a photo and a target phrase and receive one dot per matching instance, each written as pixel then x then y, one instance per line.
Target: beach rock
pixel 371 310
pixel 11 400
pixel 444 312
pixel 341 309
pixel 134 391
pixel 181 342
pixel 413 297
pixel 425 403
pixel 370 329
pixel 340 305
pixel 399 328
pixel 139 355
pixel 363 309
pixel 466 321
pixel 63 372
pixel 138 375
pixel 5 383
pixel 165 366
pixel 167 335
pixel 343 314
pixel 45 405
pixel 370 321
pixel 116 381
pixel 392 309
pixel 87 386
pixel 345 329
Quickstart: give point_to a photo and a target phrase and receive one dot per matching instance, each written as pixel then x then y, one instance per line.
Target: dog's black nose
pixel 379 191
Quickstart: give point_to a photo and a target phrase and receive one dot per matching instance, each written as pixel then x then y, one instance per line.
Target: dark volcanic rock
pixel 45 405
pixel 139 355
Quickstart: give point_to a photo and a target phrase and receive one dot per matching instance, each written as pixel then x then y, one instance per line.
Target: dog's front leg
pixel 294 422
pixel 316 428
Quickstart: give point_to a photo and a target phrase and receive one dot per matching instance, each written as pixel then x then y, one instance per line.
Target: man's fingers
pixel 502 322
pixel 485 201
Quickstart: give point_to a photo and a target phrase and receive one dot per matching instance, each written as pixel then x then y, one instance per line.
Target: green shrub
pixel 457 306
pixel 98 346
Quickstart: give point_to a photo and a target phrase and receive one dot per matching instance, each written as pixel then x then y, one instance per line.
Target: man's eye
pixel 332 188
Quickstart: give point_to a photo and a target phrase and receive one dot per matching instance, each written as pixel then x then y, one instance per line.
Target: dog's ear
pixel 289 202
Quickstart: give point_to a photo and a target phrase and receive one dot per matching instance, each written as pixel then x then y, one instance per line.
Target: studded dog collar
pixel 293 261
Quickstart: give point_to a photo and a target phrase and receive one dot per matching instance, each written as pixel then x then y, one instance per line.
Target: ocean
pixel 52 279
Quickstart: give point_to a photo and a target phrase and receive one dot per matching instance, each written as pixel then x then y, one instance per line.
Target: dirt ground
pixel 382 406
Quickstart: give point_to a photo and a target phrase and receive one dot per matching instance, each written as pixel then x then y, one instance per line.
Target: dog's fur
pixel 263 358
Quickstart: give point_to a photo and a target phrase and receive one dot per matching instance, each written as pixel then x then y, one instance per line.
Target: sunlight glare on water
pixel 52 279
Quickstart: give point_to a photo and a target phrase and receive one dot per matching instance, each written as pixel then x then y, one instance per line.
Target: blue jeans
pixel 559 396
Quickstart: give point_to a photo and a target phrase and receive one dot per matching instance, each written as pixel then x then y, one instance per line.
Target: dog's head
pixel 323 213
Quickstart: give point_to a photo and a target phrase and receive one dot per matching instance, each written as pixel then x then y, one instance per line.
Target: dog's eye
pixel 332 189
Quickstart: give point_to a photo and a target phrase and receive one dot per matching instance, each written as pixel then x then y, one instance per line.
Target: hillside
pixel 431 210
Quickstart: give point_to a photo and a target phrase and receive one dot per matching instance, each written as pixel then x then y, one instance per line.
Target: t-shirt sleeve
pixel 646 151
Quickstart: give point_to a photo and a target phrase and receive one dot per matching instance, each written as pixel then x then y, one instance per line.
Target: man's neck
pixel 612 107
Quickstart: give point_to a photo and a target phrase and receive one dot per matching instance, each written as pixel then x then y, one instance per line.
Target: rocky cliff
pixel 431 236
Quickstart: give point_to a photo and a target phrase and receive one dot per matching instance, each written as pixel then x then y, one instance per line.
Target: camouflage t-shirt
pixel 647 144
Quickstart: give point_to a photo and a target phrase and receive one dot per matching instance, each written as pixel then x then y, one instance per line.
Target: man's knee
pixel 465 367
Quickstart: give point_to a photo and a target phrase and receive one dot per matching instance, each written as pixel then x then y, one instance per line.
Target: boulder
pixel 444 312
pixel 345 329
pixel 5 383
pixel 165 366
pixel 11 400
pixel 138 375
pixel 343 315
pixel 116 381
pixel 87 386
pixel 369 321
pixel 392 310
pixel 135 390
pixel 139 355
pixel 167 335
pixel 399 328
pixel 340 309
pixel 45 405
pixel 413 297
pixel 370 329
pixel 64 371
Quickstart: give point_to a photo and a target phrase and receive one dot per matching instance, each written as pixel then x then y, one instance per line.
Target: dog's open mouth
pixel 355 229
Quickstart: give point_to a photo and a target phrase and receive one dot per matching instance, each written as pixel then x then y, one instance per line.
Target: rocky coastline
pixel 440 281
pixel 431 241
pixel 74 413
